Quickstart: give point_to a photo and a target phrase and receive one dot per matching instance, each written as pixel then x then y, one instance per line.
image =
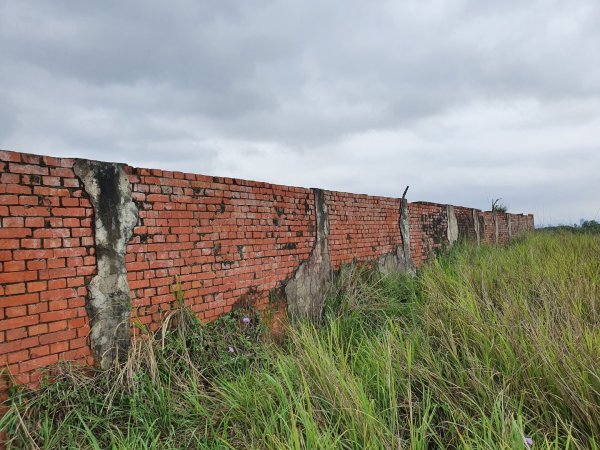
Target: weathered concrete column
pixel 307 289
pixel 109 299
pixel 400 259
pixel 496 230
pixel 452 225
pixel 476 225
pixel 405 233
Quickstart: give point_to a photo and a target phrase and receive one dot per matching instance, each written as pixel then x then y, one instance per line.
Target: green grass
pixel 484 347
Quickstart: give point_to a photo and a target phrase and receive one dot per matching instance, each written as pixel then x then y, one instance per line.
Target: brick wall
pixel 465 218
pixel 229 241
pixel 488 233
pixel 361 227
pixel 502 219
pixel 428 230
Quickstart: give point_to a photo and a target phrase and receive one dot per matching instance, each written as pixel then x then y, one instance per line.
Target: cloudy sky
pixel 464 101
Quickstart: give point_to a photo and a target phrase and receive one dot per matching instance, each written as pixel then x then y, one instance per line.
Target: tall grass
pixel 485 348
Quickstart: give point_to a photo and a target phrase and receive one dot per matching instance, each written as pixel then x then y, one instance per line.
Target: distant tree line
pixel 587 226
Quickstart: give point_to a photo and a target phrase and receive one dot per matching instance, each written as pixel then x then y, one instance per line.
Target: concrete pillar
pixel 452 225
pixel 109 299
pixel 306 291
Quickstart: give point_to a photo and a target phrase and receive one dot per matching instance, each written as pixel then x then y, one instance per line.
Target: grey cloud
pixel 446 96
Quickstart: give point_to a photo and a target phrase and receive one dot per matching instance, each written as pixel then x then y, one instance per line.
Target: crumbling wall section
pixel 307 289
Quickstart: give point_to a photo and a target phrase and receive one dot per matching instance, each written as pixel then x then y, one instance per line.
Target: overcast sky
pixel 464 101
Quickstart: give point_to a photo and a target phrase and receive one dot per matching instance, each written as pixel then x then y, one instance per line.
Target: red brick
pixel 8 233
pixel 13 266
pixel 76 282
pixel 29 200
pixel 59 347
pixel 40 329
pixel 18 344
pixel 19 377
pixel 67 252
pixel 29 211
pixel 34 222
pixel 57 284
pixel 18 189
pixel 9 222
pixel 9 156
pixel 77 302
pixel 39 362
pixel 51 181
pixel 42 350
pixel 36 264
pixel 18 357
pixel 70 242
pixel 86 270
pixel 28 169
pixel 58 315
pixel 16 311
pixel 57 326
pixel 31 159
pixel 23 299
pixel 69 212
pixel 52 233
pixel 16 334
pixel 8 244
pixel 13 289
pixel 36 286
pixel 71 182
pixel 56 263
pixel 57 336
pixel 31 243
pixel 36 308
pixel 58 304
pixel 32 254
pixel 74 261
pixel 9 199
pixel 77 323
pixel 78 343
pixel 58 294
pixel 52 243
pixel 71 222
pixel 17 277
pixel 70 202
pixel 77 354
pixel 17 322
pixel 65 163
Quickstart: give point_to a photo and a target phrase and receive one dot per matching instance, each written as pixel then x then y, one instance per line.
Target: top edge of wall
pixel 69 161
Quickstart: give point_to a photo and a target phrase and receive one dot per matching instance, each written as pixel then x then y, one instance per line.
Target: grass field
pixel 485 348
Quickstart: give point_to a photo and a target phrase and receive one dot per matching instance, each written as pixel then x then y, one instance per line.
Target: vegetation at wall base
pixel 485 348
